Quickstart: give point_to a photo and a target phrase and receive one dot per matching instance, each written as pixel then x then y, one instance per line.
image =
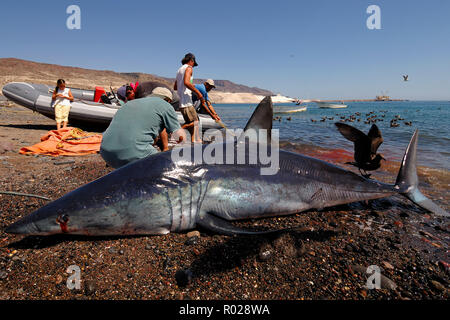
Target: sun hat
pixel 162 93
pixel 210 82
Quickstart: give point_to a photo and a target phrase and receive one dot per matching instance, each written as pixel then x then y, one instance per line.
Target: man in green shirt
pixel 135 126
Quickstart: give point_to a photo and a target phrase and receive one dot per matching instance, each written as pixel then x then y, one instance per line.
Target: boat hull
pixel 38 97
pixel 326 105
pixel 281 111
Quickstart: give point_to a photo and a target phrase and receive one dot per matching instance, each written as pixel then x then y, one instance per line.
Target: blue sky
pixel 308 49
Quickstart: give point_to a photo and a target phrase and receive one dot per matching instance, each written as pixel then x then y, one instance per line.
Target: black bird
pixel 366 146
pixel 405 78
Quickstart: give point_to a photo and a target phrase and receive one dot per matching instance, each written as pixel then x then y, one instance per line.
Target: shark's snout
pixel 44 221
pixel 23 226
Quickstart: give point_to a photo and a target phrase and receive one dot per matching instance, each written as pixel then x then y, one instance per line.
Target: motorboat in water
pixel 87 107
pixel 328 105
pixel 285 110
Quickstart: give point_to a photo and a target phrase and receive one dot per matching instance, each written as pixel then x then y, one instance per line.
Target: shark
pixel 161 194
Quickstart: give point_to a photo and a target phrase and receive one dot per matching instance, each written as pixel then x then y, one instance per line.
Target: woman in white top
pixel 62 97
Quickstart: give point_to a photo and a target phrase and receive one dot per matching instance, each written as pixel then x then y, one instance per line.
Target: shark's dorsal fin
pixel 261 118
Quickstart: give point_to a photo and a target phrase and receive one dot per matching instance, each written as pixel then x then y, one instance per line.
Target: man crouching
pixel 135 126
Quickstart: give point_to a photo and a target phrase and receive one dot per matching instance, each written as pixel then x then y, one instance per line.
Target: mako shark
pixel 158 195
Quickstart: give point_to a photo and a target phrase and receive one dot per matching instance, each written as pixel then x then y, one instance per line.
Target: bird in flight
pixel 405 78
pixel 366 146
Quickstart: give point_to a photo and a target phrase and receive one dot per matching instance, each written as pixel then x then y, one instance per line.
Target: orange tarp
pixel 66 142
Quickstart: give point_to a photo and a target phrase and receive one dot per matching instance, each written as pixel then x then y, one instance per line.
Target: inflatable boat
pixel 89 106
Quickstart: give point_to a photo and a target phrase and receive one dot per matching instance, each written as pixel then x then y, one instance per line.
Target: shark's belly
pixel 242 198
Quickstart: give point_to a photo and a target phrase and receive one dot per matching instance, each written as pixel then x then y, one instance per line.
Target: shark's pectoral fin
pixel 221 226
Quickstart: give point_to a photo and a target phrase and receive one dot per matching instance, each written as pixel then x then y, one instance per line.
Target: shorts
pixel 62 113
pixel 189 114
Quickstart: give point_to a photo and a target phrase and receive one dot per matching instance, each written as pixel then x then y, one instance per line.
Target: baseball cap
pixel 122 93
pixel 189 56
pixel 210 82
pixel 162 93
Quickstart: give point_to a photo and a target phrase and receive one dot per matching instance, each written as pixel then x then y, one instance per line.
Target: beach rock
pixel 333 224
pixel 112 250
pixel 385 282
pixel 376 214
pixel 438 286
pixel 3 275
pixel 166 263
pixel 265 252
pixel 89 288
pixel 59 279
pixel 387 265
pixel 403 214
pixel 192 241
pixel 194 233
pixel 59 163
pixel 398 224
pixel 444 265
pixel 349 248
pixel 6 146
pixel 183 277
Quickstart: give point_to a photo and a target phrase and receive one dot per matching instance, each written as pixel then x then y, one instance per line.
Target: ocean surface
pixel 432 118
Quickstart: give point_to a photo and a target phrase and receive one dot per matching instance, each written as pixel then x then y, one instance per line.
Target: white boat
pixel 328 105
pixel 284 110
pixel 38 97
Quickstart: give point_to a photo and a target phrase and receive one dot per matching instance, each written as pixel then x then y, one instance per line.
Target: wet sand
pixel 326 258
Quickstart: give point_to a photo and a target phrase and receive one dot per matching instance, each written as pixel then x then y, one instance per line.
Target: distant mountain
pixel 221 85
pixel 228 86
pixel 12 69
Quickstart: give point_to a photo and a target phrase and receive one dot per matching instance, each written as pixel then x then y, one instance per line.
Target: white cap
pixel 210 82
pixel 162 92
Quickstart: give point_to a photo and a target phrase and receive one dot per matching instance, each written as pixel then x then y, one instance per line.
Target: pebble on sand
pixel 183 277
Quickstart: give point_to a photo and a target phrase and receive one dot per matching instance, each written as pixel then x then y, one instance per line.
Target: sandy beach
pixel 327 258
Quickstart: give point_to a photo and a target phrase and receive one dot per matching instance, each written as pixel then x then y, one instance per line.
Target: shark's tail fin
pixel 407 180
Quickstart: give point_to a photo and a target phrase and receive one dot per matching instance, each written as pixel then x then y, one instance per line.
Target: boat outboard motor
pixel 105 99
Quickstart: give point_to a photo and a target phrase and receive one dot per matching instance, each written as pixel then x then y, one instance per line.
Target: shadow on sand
pixel 42 242
pixel 233 252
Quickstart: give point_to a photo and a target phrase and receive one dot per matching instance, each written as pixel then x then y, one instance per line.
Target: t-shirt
pixel 133 129
pixel 202 89
pixel 62 101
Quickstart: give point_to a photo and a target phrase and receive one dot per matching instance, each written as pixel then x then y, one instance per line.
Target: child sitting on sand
pixel 62 96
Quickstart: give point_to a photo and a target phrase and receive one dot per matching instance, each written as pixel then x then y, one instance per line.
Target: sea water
pixel 432 118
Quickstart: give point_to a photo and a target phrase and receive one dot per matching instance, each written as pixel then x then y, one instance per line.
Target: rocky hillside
pixel 12 69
